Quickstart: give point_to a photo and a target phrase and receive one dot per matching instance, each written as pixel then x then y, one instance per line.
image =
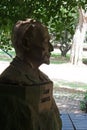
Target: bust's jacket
pixel 21 73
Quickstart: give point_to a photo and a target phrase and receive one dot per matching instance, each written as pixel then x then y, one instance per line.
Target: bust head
pixel 31 41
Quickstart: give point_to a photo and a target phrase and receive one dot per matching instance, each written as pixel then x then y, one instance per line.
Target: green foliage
pixel 83 104
pixel 5 41
pixel 58 15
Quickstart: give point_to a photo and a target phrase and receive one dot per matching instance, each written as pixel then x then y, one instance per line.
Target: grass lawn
pixel 71 85
pixel 58 59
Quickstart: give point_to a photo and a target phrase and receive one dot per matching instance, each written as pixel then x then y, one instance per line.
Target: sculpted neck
pixel 31 62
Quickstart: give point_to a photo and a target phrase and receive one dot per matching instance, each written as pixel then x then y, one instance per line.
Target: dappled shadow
pixel 68 101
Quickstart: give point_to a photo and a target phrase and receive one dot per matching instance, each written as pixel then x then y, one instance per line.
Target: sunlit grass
pixel 72 85
pixel 58 59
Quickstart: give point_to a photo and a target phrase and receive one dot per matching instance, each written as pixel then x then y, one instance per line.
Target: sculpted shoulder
pixel 20 76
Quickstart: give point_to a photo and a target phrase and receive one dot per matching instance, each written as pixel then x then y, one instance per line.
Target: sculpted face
pixel 47 48
pixel 31 41
pixel 41 49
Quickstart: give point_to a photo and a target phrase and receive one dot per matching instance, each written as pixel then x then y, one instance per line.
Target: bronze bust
pixel 22 82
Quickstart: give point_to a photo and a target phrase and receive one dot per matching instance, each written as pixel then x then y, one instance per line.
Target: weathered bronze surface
pixel 24 86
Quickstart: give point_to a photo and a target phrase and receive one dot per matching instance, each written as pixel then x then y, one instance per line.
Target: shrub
pixel 83 104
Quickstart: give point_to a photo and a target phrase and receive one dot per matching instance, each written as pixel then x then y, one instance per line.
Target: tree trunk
pixel 78 39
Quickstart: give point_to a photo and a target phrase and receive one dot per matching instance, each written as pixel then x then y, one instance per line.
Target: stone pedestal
pixel 39 96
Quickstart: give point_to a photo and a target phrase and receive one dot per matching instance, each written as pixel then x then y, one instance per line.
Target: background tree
pixel 59 15
pixel 79 37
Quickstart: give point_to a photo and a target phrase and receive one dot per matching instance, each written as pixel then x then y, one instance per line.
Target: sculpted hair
pixel 23 34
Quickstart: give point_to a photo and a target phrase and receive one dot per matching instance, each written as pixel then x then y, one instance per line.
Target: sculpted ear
pixel 28 38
